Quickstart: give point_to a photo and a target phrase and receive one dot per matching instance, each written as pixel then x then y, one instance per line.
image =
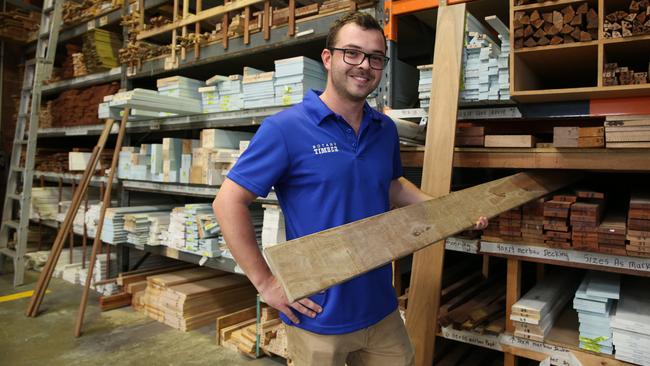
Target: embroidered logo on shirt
pixel 325 148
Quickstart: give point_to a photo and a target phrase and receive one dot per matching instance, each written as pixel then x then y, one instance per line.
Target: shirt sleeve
pixel 264 162
pixel 397 159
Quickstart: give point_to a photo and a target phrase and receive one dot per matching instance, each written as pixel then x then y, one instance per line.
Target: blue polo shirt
pixel 325 176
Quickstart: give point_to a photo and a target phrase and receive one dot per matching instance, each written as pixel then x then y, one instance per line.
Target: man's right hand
pixel 273 294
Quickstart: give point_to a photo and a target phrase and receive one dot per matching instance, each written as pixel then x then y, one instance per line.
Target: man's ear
pixel 326 56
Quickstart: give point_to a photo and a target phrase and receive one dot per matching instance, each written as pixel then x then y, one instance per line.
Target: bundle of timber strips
pixel 158 226
pixel 76 107
pixel 341 253
pixel 570 24
pixel 190 299
pixel 510 224
pixel 615 75
pixel 273 229
pixel 595 301
pixel 331 6
pixel 635 21
pixel 295 76
pixel 45 116
pixel 101 49
pixel 612 233
pixel 151 100
pixel 217 153
pixel 179 86
pixel 113 231
pixel 631 322
pixel 638 225
pixel 535 313
pixel 238 331
pixel 467 135
pixel 199 238
pixel 585 217
pixel 19 25
pixel 79 64
pixel 173 150
pixel 532 221
pixel 45 202
pixel 138 226
pixel 231 96
pixel 627 134
pixel 258 88
pixel 424 85
pixel 510 141
pixel 557 231
pixel 472 302
pixel 99 274
pixel 68 67
pixel 578 137
pixel 135 162
pixel 481 72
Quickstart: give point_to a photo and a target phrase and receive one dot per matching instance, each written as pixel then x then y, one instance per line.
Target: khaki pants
pixel 385 343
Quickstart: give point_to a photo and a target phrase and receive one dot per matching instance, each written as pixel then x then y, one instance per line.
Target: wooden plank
pixel 426 273
pixel 234 318
pixel 509 141
pixel 315 262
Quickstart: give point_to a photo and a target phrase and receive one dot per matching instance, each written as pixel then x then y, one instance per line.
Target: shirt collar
pixel 319 111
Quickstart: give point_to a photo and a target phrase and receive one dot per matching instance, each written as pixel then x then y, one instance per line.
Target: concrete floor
pixel 116 337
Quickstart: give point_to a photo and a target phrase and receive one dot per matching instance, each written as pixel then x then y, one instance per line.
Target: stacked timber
pixel 113 231
pixel 578 137
pixel 192 298
pixel 45 117
pixel 481 71
pixel 239 330
pixel 19 25
pixel 332 6
pixel 510 224
pixel 633 21
pixel 68 67
pixel 532 221
pixel 638 226
pixel 135 162
pixel 158 226
pixel 615 75
pixel 75 107
pixel 152 101
pixel 557 231
pixel 467 135
pixel 424 85
pixel 138 226
pixel 45 202
pixel 258 88
pixel 631 323
pixel 179 86
pixel 101 50
pixel 595 302
pixel 612 233
pixel 201 230
pixel 627 134
pixel 536 312
pixel 585 217
pixel 295 76
pixel 510 141
pixel 570 24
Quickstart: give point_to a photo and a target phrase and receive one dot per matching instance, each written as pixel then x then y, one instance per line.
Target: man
pixel 332 160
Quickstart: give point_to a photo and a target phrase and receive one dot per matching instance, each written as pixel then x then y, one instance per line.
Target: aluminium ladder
pixel 15 218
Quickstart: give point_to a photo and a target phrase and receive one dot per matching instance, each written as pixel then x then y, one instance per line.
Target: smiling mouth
pixel 360 78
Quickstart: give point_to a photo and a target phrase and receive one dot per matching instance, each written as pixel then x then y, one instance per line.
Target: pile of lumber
pixel 585 137
pixel 595 302
pixel 571 24
pixel 510 224
pixel 631 323
pixel 151 101
pixel 535 313
pixel 612 233
pixel 586 214
pixel 101 50
pixel 472 302
pixel 638 225
pixel 615 75
pixel 192 298
pixel 19 25
pixel 485 66
pixel 295 76
pixel 557 231
pixel 113 231
pixel 45 202
pixel 532 221
pixel 68 69
pixel 222 94
pixel 75 12
pixel 258 88
pixel 469 135
pixel 424 85
pixel 134 283
pixel 51 160
pixel 510 141
pixel 76 107
pixel 332 6
pixel 633 22
pixel 627 134
pixel 238 331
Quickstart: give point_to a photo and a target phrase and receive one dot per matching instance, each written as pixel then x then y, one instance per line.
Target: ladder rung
pixel 21 142
pixel 18 169
pixel 27 88
pixel 12 224
pixel 15 196
pixel 8 252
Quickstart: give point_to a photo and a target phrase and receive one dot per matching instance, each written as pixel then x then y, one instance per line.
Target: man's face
pixel 349 81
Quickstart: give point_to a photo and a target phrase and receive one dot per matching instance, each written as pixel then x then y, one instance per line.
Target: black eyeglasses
pixel 355 57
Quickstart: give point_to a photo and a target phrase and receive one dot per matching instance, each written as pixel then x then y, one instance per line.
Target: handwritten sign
pixel 557 355
pixel 481 340
pixel 462 245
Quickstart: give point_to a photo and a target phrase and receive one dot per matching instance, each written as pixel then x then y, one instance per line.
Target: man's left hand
pixel 481 224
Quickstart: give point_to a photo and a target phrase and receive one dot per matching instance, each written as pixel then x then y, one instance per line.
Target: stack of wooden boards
pixel 239 331
pixel 579 137
pixel 76 107
pixel 535 313
pixel 472 302
pixel 632 21
pixel 595 301
pixel 189 299
pixel 628 133
pixel 631 323
pixel 101 49
pixel 179 87
pixel 78 11
pixel 532 221
pixel 570 24
pixel 113 231
pixel 273 229
pixel 468 135
pixel 638 226
pixel 615 75
pixel 557 232
pixel 586 215
pixel 19 25
pixel 612 233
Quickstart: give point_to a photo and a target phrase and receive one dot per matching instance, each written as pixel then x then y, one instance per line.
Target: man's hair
pixel 363 20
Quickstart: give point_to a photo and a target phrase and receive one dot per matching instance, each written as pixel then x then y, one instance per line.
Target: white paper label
pixel 489 113
pixel 481 340
pixel 557 355
pixel 76 132
pixel 103 21
pixel 462 245
pixel 91 24
pixel 571 256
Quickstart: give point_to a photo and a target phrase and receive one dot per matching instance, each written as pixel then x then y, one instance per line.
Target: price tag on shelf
pixel 79 131
pixel 103 20
pixel 91 24
pixel 462 245
pixel 481 340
